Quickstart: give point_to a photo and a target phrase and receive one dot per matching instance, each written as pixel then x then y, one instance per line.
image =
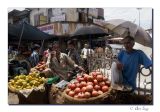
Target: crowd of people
pixel 124 70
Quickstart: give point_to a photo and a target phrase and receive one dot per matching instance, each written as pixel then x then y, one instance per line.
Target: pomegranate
pixel 90 78
pixel 98 73
pixel 83 83
pixel 95 81
pixel 105 88
pixel 94 93
pixel 81 79
pixel 97 87
pixel 73 86
pixel 89 88
pixel 68 90
pixel 77 85
pixel 100 92
pixel 69 85
pixel 80 95
pixel 99 78
pixel 94 74
pixel 90 83
pixel 102 84
pixel 83 89
pixel 77 90
pixel 86 77
pixel 87 94
pixel 105 78
pixel 71 93
pixel 108 83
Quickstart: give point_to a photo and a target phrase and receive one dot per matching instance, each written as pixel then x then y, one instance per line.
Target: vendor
pixel 60 63
pixel 34 58
pixel 125 70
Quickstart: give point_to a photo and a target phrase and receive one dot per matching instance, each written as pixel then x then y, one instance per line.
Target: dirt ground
pixel 12 98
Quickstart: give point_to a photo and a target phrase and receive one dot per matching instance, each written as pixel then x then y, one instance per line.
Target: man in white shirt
pixel 85 53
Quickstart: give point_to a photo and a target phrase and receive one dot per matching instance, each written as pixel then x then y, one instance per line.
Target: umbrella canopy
pixel 89 31
pixel 26 32
pixel 125 28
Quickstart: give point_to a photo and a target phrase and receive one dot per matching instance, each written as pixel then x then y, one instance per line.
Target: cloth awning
pixel 26 32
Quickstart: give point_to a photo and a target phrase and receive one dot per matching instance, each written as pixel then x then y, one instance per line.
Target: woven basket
pixel 92 100
pixel 36 97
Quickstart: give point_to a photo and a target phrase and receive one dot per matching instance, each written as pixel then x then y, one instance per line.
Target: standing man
pixel 85 53
pixel 125 70
pixel 73 53
pixel 34 58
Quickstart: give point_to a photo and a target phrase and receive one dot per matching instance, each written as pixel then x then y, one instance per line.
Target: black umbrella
pixel 93 31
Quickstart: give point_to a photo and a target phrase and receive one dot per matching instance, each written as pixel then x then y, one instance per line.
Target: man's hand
pixel 80 68
pixel 119 66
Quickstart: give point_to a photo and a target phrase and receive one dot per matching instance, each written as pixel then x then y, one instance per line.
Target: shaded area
pixel 26 32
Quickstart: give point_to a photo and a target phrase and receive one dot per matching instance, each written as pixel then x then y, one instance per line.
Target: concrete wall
pixel 37 11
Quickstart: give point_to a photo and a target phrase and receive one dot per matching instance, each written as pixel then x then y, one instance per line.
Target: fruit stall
pixel 92 88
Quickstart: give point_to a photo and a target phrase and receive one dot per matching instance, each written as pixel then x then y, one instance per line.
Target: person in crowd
pixel 124 70
pixel 60 63
pixel 73 53
pixel 46 53
pixel 85 53
pixel 34 58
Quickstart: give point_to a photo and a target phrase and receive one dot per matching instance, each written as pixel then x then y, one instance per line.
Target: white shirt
pixel 85 52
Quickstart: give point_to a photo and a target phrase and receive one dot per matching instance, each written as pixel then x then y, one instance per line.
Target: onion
pixel 89 88
pixel 94 93
pixel 105 88
pixel 87 94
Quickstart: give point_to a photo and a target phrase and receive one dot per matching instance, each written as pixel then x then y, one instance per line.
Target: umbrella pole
pixel 41 46
pixel 21 36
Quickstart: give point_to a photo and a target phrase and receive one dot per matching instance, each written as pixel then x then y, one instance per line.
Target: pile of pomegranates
pixel 87 86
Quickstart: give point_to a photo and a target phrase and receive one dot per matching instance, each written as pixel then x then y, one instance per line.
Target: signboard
pixel 47 29
pixel 43 19
pixel 99 22
pixel 58 18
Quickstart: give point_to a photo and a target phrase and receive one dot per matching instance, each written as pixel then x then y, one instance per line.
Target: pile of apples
pixel 87 86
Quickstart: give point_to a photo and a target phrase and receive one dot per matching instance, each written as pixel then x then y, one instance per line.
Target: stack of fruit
pixel 22 82
pixel 87 86
pixel 40 66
